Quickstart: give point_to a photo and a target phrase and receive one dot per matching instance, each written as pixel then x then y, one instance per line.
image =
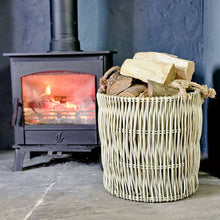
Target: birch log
pixel 184 68
pixel 145 70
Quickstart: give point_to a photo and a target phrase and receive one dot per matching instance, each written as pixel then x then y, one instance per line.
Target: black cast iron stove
pixel 54 93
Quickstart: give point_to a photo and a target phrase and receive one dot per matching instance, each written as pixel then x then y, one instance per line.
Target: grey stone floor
pixel 74 190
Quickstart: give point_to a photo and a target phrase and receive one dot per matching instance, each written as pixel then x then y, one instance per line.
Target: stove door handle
pixel 15 111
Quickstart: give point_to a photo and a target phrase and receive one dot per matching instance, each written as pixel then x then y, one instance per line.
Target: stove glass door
pixel 58 97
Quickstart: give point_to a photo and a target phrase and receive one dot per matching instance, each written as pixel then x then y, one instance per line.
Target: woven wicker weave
pixel 150 146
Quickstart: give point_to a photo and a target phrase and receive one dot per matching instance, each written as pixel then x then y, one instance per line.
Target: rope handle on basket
pixel 206 92
pixel 103 80
pixel 182 85
pixel 110 71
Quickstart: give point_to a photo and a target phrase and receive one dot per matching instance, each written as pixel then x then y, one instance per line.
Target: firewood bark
pixel 145 70
pixel 157 89
pixel 117 83
pixel 134 90
pixel 184 68
pixel 144 94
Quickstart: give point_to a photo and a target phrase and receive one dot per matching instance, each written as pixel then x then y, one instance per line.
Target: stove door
pixel 59 107
pixel 58 97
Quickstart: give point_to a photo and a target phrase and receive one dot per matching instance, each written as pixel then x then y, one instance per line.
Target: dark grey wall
pixel 211 39
pixel 30 25
pixel 172 26
pixel 6 44
pixel 212 78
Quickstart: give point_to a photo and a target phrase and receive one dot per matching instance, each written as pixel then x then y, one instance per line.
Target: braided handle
pixel 110 71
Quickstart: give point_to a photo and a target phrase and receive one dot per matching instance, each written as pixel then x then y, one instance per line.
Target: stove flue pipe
pixel 64 25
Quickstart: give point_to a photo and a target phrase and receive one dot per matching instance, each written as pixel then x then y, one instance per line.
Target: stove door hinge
pixel 15 115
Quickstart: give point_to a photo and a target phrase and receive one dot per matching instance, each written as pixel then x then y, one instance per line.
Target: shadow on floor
pixel 44 160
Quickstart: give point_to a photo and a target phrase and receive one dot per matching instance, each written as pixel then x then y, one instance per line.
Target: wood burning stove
pixel 55 107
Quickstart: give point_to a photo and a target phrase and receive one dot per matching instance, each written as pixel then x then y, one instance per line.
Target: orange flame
pixel 48 90
pixel 71 105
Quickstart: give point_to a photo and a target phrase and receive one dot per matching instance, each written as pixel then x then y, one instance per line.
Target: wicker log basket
pixel 150 146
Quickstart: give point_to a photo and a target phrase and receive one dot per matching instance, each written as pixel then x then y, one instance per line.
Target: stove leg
pixel 19 159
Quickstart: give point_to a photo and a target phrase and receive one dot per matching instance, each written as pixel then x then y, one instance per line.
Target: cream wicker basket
pixel 150 147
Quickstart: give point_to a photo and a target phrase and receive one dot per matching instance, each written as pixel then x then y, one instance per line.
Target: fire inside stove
pixel 58 97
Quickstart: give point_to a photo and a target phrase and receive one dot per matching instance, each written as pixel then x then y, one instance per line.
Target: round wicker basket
pixel 150 147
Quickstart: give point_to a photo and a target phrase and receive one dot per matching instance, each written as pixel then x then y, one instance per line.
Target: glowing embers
pixel 58 97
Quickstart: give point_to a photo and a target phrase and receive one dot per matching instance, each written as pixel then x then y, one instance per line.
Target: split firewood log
pixel 144 94
pixel 145 70
pixel 134 90
pixel 157 89
pixel 117 83
pixel 184 68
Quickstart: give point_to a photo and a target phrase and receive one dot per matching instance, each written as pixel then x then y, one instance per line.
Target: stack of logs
pixel 151 74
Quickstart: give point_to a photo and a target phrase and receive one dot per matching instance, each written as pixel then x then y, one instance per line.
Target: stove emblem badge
pixel 59 137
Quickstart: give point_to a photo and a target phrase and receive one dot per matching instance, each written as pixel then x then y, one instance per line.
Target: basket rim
pixel 150 99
